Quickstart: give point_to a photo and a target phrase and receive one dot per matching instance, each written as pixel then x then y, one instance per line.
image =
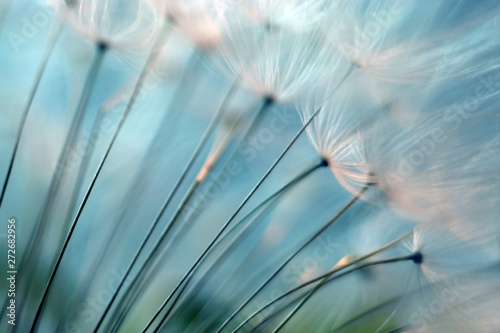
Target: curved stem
pixel 293 255
pixel 325 280
pixel 73 197
pixel 226 225
pixel 152 58
pixel 148 262
pixel 234 242
pixel 201 145
pixel 335 270
pixel 172 222
pixel 51 43
pixel 264 207
pixel 82 106
pixel 150 61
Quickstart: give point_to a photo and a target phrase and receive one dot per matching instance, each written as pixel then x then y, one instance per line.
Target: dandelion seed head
pixel 275 63
pixel 443 255
pixel 334 134
pixel 127 28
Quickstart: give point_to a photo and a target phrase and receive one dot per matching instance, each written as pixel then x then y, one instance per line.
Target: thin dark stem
pixel 234 242
pixel 201 145
pixel 145 164
pixel 333 271
pixel 168 228
pixel 328 280
pixel 293 255
pixel 277 312
pixel 269 205
pixel 228 222
pixel 365 313
pixel 207 167
pixel 208 311
pixel 51 43
pixel 152 58
pixel 325 280
pixel 52 40
pixel 150 61
pixel 216 156
pixel 91 78
pixel 78 186
pixel 83 167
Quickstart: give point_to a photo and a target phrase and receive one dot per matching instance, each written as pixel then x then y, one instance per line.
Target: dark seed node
pixel 102 46
pixel 418 258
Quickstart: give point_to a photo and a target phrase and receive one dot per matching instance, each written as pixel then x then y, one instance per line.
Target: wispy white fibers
pixel 335 132
pixel 444 255
pixel 274 62
pixel 436 161
pixel 463 51
pixel 411 41
pixel 390 150
pixel 51 43
pixel 450 278
pixel 111 25
pixel 462 311
pixel 127 27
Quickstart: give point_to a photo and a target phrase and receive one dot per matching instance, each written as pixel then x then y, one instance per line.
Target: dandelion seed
pixel 450 266
pixel 444 255
pixel 286 66
pixel 335 135
pixel 127 28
